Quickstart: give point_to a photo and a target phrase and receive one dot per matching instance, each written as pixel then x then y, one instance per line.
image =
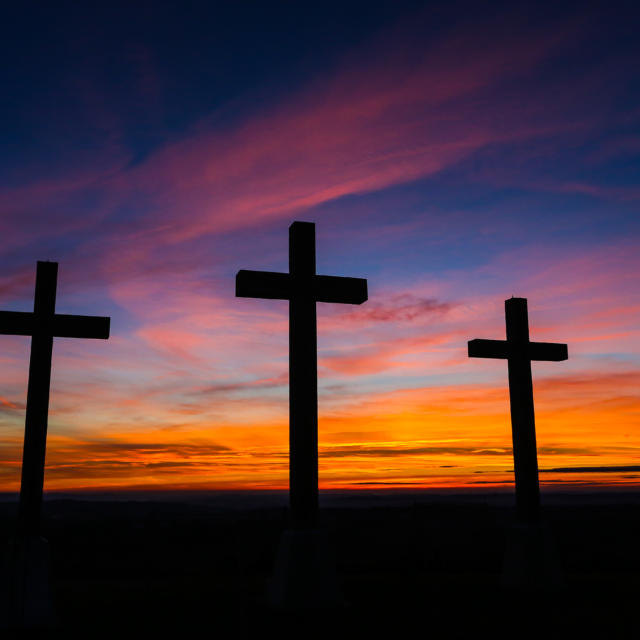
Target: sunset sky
pixel 452 153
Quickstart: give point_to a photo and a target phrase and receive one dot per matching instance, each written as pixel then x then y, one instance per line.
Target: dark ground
pixel 143 567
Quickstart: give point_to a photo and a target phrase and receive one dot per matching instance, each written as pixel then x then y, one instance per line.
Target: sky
pixel 455 154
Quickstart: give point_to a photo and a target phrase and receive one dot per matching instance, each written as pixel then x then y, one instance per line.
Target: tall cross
pixel 42 325
pixel 303 288
pixel 519 353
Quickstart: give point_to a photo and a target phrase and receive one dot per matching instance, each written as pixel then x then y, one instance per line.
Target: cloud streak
pixel 452 167
pixel 399 308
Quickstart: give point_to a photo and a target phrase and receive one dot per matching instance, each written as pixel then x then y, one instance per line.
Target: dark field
pixel 190 564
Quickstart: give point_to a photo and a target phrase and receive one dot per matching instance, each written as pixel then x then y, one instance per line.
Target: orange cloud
pixel 191 388
pixel 447 436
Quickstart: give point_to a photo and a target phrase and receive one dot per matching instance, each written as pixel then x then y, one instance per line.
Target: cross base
pixel 530 560
pixel 305 574
pixel 26 601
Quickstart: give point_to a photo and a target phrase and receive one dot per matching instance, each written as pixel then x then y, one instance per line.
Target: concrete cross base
pixel 27 596
pixel 530 560
pixel 305 574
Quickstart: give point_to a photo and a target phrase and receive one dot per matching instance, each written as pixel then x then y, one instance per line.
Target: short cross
pixel 303 288
pixel 519 353
pixel 42 325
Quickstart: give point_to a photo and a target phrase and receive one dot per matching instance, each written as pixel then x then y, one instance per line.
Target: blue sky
pixel 453 154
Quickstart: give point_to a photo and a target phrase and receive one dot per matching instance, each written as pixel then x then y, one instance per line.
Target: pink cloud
pixel 386 116
pixel 403 307
pixel 375 121
pixel 177 342
pixel 18 283
pixel 389 113
pixel 386 355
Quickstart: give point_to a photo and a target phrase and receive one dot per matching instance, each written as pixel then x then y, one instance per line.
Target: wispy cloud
pixel 399 308
pixel 193 381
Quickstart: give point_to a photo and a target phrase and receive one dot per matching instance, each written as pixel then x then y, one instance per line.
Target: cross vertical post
pixel 523 423
pixel 519 352
pixel 42 325
pixel 303 377
pixel 28 599
pixel 303 288
pixel 37 412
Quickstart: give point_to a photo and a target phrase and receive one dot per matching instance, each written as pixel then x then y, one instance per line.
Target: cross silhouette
pixel 42 325
pixel 303 288
pixel 519 352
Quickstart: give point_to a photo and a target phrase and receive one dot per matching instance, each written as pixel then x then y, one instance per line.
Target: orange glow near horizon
pixel 432 438
pixel 453 164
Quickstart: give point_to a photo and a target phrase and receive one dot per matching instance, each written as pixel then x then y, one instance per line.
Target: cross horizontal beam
pixel 263 284
pixel 502 349
pixel 278 286
pixel 488 349
pixel 21 323
pixel 550 351
pixel 340 289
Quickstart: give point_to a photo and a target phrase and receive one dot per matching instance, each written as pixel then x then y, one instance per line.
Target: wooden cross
pixel 42 325
pixel 303 288
pixel 519 353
